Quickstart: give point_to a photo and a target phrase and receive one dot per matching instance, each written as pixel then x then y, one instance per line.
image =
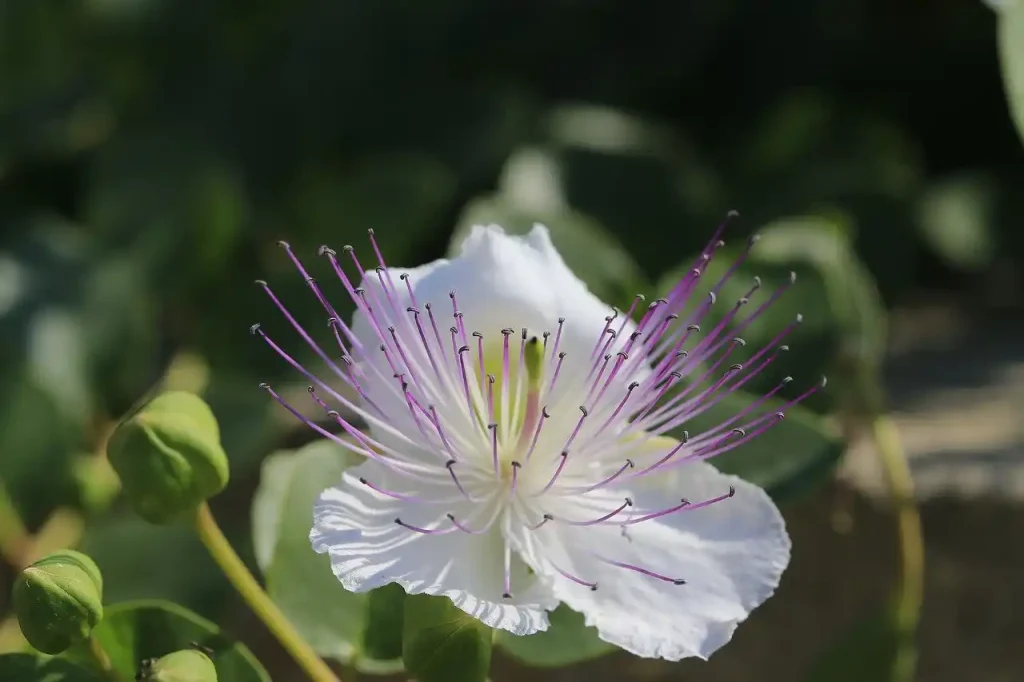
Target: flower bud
pixel 188 665
pixel 169 457
pixel 59 600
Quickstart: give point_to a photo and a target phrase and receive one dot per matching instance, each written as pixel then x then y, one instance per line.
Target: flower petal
pixel 355 525
pixel 731 555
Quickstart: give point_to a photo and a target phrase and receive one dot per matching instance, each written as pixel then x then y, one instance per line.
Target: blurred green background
pixel 152 152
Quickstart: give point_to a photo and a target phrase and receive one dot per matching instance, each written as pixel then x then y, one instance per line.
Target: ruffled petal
pixel 355 525
pixel 731 555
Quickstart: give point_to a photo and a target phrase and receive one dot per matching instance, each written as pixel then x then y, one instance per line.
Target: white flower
pixel 514 456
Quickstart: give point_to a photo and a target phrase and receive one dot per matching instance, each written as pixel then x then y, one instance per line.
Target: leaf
pixel 956 216
pixel 132 632
pixel 1011 53
pixel 566 641
pixel 442 643
pixel 592 253
pixel 33 668
pixel 788 459
pixel 873 649
pixel 356 628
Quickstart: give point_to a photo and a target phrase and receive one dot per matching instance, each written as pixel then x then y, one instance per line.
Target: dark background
pixel 152 153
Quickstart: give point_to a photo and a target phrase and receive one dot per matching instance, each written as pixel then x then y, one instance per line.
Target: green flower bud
pixel 189 665
pixel 59 600
pixel 169 457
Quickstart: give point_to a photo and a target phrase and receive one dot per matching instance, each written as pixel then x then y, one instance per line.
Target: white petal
pixel 356 526
pixel 731 555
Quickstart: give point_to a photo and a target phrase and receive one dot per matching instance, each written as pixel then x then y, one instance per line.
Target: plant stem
pixel 102 661
pixel 278 624
pixel 901 487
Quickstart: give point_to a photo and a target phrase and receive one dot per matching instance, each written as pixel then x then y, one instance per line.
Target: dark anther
pixel 686 436
pixel 630 463
pixel 524 333
pixel 413 310
pixel 565 453
pixel 546 335
pixel 398 521
pixel 254 329
pixel 624 355
pixel 451 293
pixel 362 480
pixel 477 335
pixel 261 283
pixel 451 517
pixel 561 320
pixel 584 410
pixel 360 290
pixel 612 333
pixel 506 331
pixel 735 368
pixel 635 335
pixel 383 347
pixel 679 581
pixel 780 415
pixel 675 374
pixel 693 328
pixel 347 359
pixel 732 490
pixel 544 412
pixel 457 314
pixel 609 318
pixel 682 353
pixel 453 330
pixel 404 276
pixel 491 378
pixel 515 464
pixel 310 389
pixel 661 300
pixel 463 349
pixel 743 301
pixel 629 501
pixel 506 595
pixel 633 386
pixel 333 414
pixel 492 425
pixel 427 306
pixel 739 432
pixel 391 329
pixel 549 517
pixel 348 248
pixel 561 355
pixel 671 316
pixel 593 588
pixel 378 269
pixel 449 463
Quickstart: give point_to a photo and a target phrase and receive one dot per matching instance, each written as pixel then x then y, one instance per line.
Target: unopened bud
pixel 59 600
pixel 189 665
pixel 169 457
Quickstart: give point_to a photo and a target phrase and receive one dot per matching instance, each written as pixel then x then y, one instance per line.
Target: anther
pixel 739 432
pixel 477 335
pixel 629 501
pixel 348 248
pixel 633 386
pixel 584 411
pixel 545 413
pixel 254 329
pixel 404 276
pixel 325 250
pixel 735 368
pixel 693 328
pixel 712 297
pixel 261 283
pixel 630 463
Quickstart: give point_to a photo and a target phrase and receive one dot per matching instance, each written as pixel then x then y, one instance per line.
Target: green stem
pixel 901 487
pixel 101 660
pixel 278 624
pixel 14 537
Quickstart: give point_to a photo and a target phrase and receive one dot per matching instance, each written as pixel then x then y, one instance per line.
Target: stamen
pixel 644 571
pixel 561 465
pixel 507 594
pixel 628 465
pixel 448 465
pixel 575 579
pixel 515 478
pixel 600 519
pixel 424 531
pixel 545 519
pixel 467 529
pixel 684 504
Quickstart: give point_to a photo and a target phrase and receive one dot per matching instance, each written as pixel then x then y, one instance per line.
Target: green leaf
pixel 1011 53
pixel 956 219
pixel 788 459
pixel 566 641
pixel 442 643
pixel 33 668
pixel 591 252
pixel 874 648
pixel 132 632
pixel 359 629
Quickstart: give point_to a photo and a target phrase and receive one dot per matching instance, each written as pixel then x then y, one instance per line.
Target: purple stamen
pixel 564 457
pixel 544 416
pixel 425 531
pixel 455 479
pixel 575 579
pixel 590 488
pixel 545 519
pixel 645 571
pixel 600 519
pixel 507 593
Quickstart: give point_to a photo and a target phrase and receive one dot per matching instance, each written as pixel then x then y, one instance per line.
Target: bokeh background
pixel 152 152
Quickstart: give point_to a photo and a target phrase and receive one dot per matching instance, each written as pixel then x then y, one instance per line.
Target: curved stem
pixel 278 624
pixel 901 487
